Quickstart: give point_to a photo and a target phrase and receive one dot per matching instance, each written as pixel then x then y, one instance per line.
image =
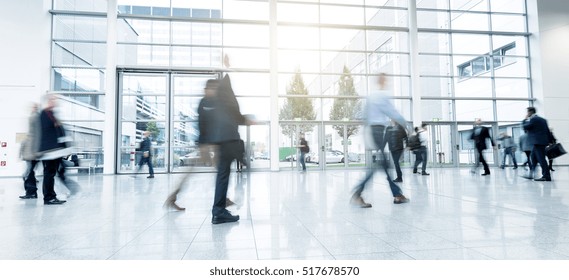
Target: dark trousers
pixel 146 160
pixel 30 184
pixel 421 157
pixel 511 153
pixel 378 132
pixel 49 171
pixel 396 155
pixel 228 151
pixel 480 159
pixel 302 160
pixel 538 155
pixel 528 158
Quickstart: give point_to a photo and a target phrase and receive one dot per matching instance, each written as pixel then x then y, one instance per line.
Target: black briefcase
pixel 554 150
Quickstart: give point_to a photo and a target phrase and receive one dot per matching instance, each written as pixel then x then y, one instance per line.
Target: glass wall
pixel 473 63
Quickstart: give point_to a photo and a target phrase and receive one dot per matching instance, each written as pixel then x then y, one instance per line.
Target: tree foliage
pixel 346 108
pixel 297 108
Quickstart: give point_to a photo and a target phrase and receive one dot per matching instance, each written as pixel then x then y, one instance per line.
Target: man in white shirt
pixel 380 112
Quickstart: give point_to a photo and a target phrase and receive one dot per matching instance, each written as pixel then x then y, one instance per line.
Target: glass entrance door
pixel 344 145
pixel 289 153
pixel 442 149
pixel 165 104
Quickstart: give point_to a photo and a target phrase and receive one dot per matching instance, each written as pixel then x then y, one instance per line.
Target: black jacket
pixel 146 145
pixel 51 130
pixel 227 116
pixel 480 138
pixel 538 131
pixel 395 136
pixel 206 114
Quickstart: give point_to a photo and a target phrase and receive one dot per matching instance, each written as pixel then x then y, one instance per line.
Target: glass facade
pixel 473 62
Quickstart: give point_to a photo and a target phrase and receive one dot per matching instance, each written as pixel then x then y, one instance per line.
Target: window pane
pixel 468 110
pixel 143 55
pixel 79 28
pixel 196 57
pixel 396 64
pixel 298 37
pixel 469 21
pixel 510 45
pixel 508 6
pixel 250 83
pixel 144 107
pixel 438 65
pixel 386 17
pixel 245 35
pixel 334 62
pixel 79 54
pixel 440 87
pixel 512 67
pixel 81 5
pixel 233 9
pixel 144 84
pixel 331 85
pixel 186 108
pixel 432 4
pixel 342 39
pixel 387 41
pixel 473 87
pixel 78 79
pixel 342 15
pixel 511 110
pixel 513 23
pixel 70 110
pixel 287 12
pixel 145 31
pixel 470 44
pixel 289 84
pixel 434 43
pixel 512 88
pixel 248 58
pixel 429 19
pixel 259 107
pixel 397 86
pixel 305 61
pixel 468 5
pixel 440 110
pixel 299 108
pixel 342 109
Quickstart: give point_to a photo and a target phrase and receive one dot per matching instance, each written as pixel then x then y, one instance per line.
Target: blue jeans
pixel 421 158
pixel 378 132
pixel 302 157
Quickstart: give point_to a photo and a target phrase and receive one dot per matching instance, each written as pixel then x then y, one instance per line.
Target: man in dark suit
pixel 146 149
pixel 51 133
pixel 224 133
pixel 479 135
pixel 539 137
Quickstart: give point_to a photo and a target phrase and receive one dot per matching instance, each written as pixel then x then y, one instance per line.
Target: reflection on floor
pixel 453 214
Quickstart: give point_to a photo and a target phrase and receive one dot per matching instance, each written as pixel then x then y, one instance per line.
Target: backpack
pixel 413 141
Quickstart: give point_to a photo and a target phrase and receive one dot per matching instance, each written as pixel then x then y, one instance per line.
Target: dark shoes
pixel 54 201
pixel 542 179
pixel 400 199
pixel 225 217
pixel 150 177
pixel 485 174
pixel 414 171
pixel 398 180
pixel 228 202
pixel 358 201
pixel 425 173
pixel 29 196
pixel 171 204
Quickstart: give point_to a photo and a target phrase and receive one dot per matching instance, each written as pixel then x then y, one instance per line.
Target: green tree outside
pixel 297 107
pixel 346 108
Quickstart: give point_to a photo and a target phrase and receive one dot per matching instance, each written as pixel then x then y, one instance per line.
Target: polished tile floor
pixel 453 215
